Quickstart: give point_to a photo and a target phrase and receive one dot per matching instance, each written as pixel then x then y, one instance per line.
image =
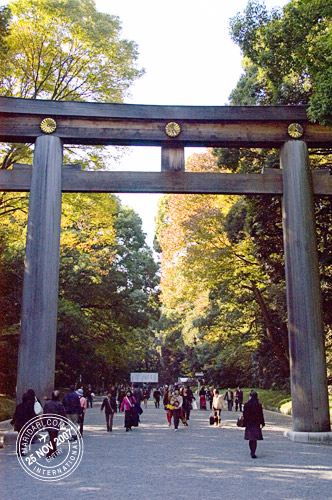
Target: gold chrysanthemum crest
pixel 172 129
pixel 295 130
pixel 48 125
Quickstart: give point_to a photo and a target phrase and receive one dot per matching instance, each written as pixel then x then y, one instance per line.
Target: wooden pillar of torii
pixel 36 362
pixel 172 128
pixel 310 405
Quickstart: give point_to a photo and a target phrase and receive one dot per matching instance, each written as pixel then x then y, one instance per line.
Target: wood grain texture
pixel 152 133
pixel 74 180
pixel 129 124
pixel 172 159
pixel 56 109
pixel 310 409
pixel 40 291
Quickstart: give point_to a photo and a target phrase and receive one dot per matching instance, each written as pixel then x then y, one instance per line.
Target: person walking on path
pixel 176 401
pixel 166 403
pixel 23 413
pixel 190 398
pixel 35 402
pixel 186 404
pixel 146 395
pixel 238 399
pixel 218 404
pixel 113 392
pixel 121 395
pixel 89 397
pixel 229 397
pixel 72 405
pixel 253 422
pixel 156 397
pixel 128 404
pixel 202 399
pixel 137 393
pixel 53 406
pixel 209 397
pixel 109 404
pixel 84 405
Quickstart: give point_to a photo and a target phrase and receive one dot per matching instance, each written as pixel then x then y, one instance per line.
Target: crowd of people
pixel 178 401
pixel 206 396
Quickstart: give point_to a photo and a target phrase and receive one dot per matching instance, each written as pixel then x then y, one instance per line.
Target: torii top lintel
pixel 146 125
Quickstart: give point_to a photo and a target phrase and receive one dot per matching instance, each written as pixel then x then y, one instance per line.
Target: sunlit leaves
pixel 290 50
pixel 67 51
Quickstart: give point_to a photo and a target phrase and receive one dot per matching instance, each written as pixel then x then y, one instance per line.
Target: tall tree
pixel 210 276
pixel 287 61
pixel 107 294
pixel 65 51
pixel 291 51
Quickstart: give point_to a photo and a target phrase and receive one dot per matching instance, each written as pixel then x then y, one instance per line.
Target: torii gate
pixel 50 124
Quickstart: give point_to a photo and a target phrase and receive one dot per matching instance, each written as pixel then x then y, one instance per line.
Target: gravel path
pixel 200 461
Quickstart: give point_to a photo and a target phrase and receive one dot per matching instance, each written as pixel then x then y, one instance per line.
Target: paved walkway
pixel 154 462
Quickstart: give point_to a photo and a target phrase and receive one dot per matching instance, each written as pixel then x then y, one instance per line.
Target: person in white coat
pixel 218 404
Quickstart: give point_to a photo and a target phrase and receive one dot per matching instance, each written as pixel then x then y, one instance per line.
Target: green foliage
pixel 229 315
pixel 270 399
pixel 107 294
pixel 66 51
pixel 288 55
pixel 108 286
pixel 4 22
pixel 7 407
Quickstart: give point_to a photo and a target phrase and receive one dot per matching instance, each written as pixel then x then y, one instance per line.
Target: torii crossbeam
pixel 51 124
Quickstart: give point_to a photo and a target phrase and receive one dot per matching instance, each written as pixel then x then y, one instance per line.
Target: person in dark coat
pixel 23 413
pixel 72 405
pixel 54 407
pixel 238 399
pixel 33 399
pixel 121 395
pixel 229 397
pixel 253 422
pixel 156 397
pixel 89 397
pixel 109 403
pixel 137 393
pixel 186 405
